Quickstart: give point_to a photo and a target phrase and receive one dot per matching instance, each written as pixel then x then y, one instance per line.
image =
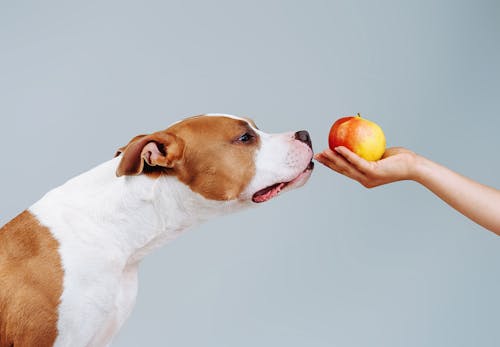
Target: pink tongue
pixel 269 194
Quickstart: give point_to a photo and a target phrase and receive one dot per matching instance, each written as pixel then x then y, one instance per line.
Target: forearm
pixel 478 202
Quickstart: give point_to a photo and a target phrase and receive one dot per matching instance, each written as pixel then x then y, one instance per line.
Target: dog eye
pixel 246 137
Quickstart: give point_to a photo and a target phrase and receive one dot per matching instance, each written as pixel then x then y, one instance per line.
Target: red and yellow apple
pixel 363 137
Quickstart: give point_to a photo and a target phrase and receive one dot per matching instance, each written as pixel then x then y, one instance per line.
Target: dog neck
pixel 132 214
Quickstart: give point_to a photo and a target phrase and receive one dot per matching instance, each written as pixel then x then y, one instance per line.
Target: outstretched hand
pixel 482 204
pixel 396 164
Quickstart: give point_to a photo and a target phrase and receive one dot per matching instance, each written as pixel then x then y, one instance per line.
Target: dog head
pixel 222 158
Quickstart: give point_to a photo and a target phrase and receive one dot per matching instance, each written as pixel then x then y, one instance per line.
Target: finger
pixel 335 161
pixel 331 160
pixel 339 164
pixel 324 160
pixel 318 156
pixel 328 153
pixel 358 162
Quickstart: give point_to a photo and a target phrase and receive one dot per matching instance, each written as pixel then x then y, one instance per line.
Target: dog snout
pixel 303 136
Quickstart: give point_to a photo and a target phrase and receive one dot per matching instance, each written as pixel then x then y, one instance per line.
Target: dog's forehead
pixel 217 123
pixel 246 119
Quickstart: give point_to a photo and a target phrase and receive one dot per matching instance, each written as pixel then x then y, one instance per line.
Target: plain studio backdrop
pixel 331 264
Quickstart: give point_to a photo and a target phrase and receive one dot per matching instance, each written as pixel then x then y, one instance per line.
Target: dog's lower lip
pixel 274 189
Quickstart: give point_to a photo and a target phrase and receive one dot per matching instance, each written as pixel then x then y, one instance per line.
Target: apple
pixel 363 137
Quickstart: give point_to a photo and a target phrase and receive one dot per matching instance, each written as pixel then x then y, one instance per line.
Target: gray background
pixel 331 264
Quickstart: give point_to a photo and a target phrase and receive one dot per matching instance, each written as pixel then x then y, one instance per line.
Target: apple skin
pixel 363 137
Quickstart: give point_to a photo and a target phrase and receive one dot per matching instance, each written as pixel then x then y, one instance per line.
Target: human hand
pixel 396 164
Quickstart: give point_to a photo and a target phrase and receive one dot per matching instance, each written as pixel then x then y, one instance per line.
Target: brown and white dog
pixel 68 264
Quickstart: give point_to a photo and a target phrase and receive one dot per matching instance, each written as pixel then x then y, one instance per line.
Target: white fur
pixel 105 225
pixel 281 158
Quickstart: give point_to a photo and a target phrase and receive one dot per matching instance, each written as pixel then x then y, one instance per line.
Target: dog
pixel 68 264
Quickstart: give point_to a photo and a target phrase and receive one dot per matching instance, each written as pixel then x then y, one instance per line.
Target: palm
pixel 395 165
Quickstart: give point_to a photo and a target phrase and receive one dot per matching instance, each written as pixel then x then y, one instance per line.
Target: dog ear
pixel 159 149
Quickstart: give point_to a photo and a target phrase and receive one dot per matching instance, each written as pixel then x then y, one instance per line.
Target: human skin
pixel 474 200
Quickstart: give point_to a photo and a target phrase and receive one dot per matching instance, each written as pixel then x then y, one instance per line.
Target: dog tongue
pixel 268 193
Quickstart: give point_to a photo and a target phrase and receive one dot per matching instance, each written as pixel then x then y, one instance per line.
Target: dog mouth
pixel 273 190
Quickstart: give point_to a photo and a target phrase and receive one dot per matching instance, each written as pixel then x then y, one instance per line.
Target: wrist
pixel 419 169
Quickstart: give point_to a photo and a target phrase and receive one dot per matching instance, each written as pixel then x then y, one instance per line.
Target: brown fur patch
pixel 215 163
pixel 31 278
pixel 212 161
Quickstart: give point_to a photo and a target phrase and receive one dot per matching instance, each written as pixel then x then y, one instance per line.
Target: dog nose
pixel 303 136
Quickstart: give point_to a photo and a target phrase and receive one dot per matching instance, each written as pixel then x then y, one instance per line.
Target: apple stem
pixel 358 115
